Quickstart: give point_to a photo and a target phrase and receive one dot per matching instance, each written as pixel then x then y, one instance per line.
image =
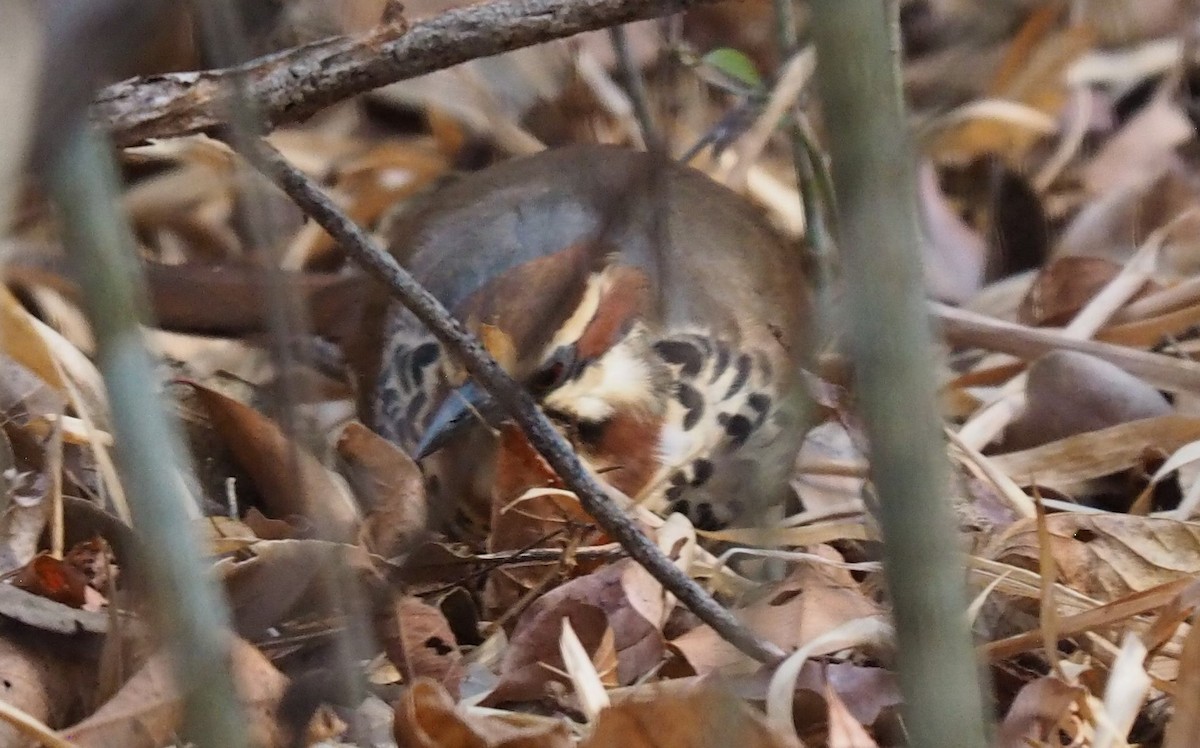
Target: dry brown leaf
pixel 594 604
pixel 49 615
pixel 22 343
pixel 1106 556
pixel 267 528
pixel 368 186
pixel 1185 724
pixel 1032 74
pixel 1097 453
pixel 523 517
pixel 1089 618
pixel 44 677
pixel 1064 286
pixel 97 561
pixel 418 640
pixel 1112 225
pixel 814 599
pixel 703 718
pixel 1143 149
pixel 390 485
pixel 276 577
pixel 222 535
pixel 426 717
pixel 962 327
pixel 147 711
pixel 844 730
pixel 29 492
pixel 1035 713
pixel 54 579
pixel 289 478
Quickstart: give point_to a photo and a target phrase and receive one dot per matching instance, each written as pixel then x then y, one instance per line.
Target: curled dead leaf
pixel 595 605
pixel 426 717
pixel 1106 556
pixel 390 485
pixel 289 478
pixel 418 640
pixel 1069 393
pixel 814 599
pixel 1039 707
pixel 703 718
pixel 147 711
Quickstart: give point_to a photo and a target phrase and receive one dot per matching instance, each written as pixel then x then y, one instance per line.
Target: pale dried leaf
pixel 1107 556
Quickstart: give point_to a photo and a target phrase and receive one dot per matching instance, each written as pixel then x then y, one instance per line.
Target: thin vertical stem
pixel 83 182
pixel 806 161
pixel 636 86
pixel 889 338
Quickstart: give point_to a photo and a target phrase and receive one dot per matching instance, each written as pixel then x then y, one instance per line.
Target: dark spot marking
pixel 687 355
pixel 784 597
pixel 1084 536
pixel 764 365
pixel 737 428
pixel 705 519
pixel 421 357
pixel 759 402
pixel 720 364
pixel 703 471
pixel 740 378
pixel 414 408
pixel 389 399
pixel 438 645
pixel 561 417
pixel 679 506
pixel 433 484
pixel 678 478
pixel 690 399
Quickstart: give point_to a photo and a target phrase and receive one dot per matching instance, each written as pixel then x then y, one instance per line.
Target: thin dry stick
pixel 965 328
pixel 292 85
pixel 636 85
pixel 515 401
pixel 32 727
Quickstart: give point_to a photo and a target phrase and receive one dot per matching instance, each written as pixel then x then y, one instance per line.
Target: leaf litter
pixel 1058 191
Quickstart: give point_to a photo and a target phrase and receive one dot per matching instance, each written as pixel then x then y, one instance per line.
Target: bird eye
pixel 590 433
pixel 554 371
pixel 546 378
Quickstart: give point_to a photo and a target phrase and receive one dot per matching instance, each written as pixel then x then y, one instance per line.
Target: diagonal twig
pixel 514 400
pixel 291 85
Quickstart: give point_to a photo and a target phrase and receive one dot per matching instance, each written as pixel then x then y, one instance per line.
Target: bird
pixel 656 317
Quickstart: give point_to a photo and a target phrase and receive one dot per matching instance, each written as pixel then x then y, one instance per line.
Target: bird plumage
pixel 653 313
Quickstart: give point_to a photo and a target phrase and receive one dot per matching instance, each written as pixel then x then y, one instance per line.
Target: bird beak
pixel 457 412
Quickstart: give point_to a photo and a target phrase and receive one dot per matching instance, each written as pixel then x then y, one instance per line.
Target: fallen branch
pixel 292 85
pixel 512 398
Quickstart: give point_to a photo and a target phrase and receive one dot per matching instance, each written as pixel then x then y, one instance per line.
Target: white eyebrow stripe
pixel 573 328
pixel 619 378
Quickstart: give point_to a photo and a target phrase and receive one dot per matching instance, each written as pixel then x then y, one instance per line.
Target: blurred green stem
pixel 889 339
pixel 806 159
pixel 83 182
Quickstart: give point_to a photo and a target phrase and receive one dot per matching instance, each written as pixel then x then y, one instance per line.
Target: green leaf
pixel 735 65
